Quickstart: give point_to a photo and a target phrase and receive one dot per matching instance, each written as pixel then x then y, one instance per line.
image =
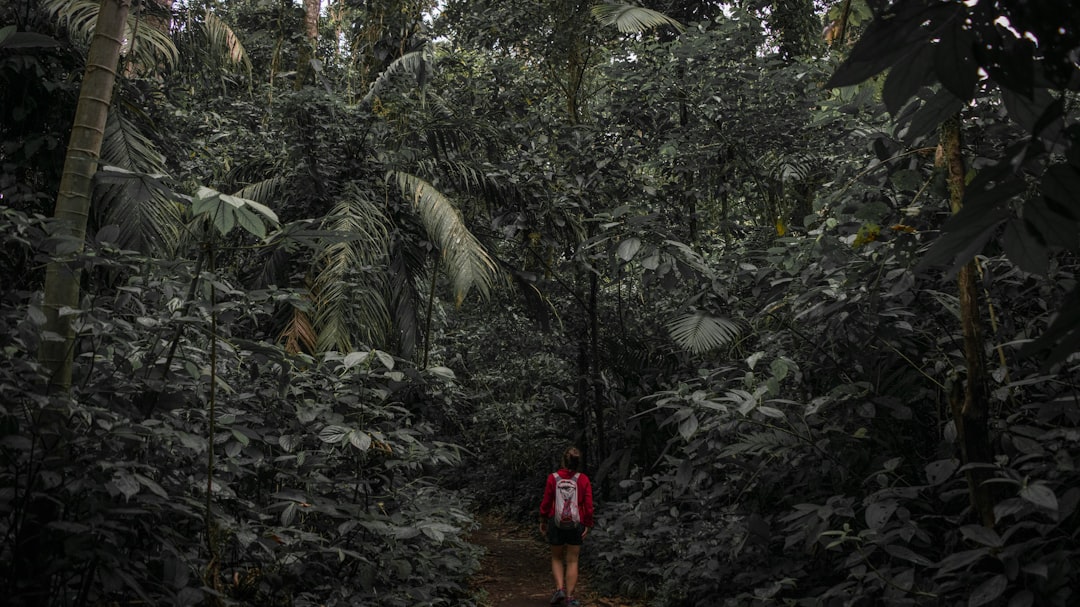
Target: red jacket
pixel 585 505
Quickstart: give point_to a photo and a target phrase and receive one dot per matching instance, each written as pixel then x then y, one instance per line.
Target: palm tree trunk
pixel 76 184
pixel 971 410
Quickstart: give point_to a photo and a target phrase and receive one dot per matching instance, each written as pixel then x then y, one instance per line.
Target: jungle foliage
pixel 355 270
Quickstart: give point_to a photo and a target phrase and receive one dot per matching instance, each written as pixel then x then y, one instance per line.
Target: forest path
pixel 516 569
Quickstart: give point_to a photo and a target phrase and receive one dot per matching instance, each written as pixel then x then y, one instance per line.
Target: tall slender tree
pixel 73 200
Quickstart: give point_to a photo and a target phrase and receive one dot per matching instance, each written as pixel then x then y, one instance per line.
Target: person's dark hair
pixel 571 459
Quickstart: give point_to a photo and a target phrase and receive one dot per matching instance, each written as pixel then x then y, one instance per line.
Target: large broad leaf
pixel 988 591
pixel 906 78
pixel 699 332
pixel 954 60
pixel 9 38
pixel 1062 337
pixel 1052 227
pixel 892 37
pixel 225 212
pixel 1025 249
pixel 632 19
pixel 935 109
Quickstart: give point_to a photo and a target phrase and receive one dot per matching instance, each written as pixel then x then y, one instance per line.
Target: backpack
pixel 567 513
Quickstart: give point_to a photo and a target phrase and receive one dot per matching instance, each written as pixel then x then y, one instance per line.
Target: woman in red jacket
pixel 566 516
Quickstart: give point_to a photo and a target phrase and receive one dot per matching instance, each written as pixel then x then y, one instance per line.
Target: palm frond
pixel 418 63
pixel 223 42
pixel 264 191
pixel 125 146
pixel 466 261
pixel 350 281
pixel 148 46
pixel 632 19
pixel 699 332
pixel 131 193
pixel 299 334
pixel 144 208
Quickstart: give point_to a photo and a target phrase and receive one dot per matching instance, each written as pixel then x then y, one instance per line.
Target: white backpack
pixel 567 513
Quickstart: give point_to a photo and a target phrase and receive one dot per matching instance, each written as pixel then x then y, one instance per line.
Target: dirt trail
pixel 516 571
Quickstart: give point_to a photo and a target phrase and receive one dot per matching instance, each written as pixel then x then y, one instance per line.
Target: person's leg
pixel 571 558
pixel 558 556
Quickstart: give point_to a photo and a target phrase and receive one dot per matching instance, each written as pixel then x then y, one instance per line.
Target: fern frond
pixel 465 260
pixel 699 332
pixel 632 19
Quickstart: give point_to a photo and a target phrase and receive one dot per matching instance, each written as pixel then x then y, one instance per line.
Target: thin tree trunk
pixel 76 185
pixel 970 411
pixel 311 41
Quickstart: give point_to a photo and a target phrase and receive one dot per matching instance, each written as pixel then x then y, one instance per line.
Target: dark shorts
pixel 560 537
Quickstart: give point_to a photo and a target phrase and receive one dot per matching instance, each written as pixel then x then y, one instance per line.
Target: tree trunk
pixel 970 411
pixel 76 185
pixel 311 41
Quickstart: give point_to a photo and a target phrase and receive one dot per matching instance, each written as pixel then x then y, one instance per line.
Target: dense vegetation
pixel 799 278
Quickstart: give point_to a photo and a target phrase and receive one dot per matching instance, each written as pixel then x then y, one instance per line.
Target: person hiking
pixel 566 516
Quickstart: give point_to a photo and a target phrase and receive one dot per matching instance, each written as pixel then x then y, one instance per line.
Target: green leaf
pixel 206 200
pixel 891 37
pixel 442 372
pixel 1025 249
pixel 982 535
pixel 907 554
pixel 628 248
pixel 688 426
pixel 933 111
pixel 699 332
pixel 224 218
pixel 333 434
pixel 9 38
pixel 465 259
pixel 385 358
pixel 124 483
pixel 954 60
pixel 941 470
pixel 966 233
pixel 250 222
pixel 360 439
pixel 289 442
pixel 685 473
pixel 1061 184
pixel 961 560
pixel 1041 495
pixel 632 19
pixel 878 513
pixel 906 78
pixel 1052 227
pixel 240 437
pixel 988 591
pixel 152 485
pixel 1024 110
